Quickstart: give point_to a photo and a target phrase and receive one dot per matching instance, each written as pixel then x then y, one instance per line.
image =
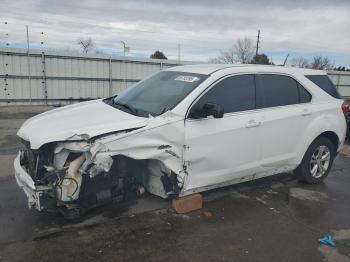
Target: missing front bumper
pixel 35 194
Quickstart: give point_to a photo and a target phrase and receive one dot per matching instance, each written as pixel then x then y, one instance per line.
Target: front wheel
pixel 317 161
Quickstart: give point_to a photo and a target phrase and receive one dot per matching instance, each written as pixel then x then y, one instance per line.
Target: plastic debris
pixel 272 192
pixel 208 214
pixel 327 240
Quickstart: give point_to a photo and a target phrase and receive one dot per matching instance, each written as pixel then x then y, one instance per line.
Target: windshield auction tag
pixel 189 79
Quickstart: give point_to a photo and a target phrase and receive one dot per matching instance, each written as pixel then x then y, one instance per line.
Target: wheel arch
pixel 332 136
pixel 302 171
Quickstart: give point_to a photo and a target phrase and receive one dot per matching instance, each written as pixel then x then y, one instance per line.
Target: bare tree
pixel 321 62
pixel 86 44
pixel 301 62
pixel 225 57
pixel 243 50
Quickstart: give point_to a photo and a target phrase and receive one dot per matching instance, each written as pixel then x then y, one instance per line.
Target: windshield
pixel 158 93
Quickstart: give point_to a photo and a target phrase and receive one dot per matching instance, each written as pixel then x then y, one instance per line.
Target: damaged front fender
pixel 90 172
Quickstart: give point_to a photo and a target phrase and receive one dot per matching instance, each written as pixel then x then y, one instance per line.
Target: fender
pixel 324 121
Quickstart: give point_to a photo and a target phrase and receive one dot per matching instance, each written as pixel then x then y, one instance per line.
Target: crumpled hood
pixel 77 122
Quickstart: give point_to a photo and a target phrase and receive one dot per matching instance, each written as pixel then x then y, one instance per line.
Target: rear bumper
pixel 25 182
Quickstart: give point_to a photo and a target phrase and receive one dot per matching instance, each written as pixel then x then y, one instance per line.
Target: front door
pixel 219 150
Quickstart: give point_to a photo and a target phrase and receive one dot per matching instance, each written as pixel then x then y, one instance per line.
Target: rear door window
pixel 325 84
pixel 276 90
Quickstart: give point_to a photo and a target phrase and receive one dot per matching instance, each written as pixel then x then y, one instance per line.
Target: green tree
pixel 261 59
pixel 158 55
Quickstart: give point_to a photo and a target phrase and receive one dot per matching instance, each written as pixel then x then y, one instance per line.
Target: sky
pixel 201 28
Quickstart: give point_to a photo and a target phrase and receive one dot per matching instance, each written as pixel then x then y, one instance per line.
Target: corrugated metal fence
pixel 62 78
pixel 341 80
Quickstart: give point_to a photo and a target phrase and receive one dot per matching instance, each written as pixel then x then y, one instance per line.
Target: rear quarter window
pixel 325 84
pixel 304 95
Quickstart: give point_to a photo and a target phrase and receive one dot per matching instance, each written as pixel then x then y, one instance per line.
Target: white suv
pixel 182 130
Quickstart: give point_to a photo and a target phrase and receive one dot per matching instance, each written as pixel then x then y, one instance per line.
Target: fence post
pixel 6 65
pixel 110 77
pixel 29 77
pixel 338 81
pixel 125 72
pixel 43 67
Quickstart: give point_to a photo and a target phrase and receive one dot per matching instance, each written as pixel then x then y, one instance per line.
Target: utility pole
pixel 124 65
pixel 28 60
pixel 257 43
pixel 178 52
pixel 27 38
pixel 123 46
pixel 285 60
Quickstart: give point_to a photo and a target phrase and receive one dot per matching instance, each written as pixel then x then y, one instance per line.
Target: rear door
pixel 286 110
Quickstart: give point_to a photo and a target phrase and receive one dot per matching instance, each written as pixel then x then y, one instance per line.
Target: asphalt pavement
pixel 272 219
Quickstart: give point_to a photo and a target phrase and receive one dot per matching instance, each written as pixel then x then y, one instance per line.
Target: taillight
pixel 345 108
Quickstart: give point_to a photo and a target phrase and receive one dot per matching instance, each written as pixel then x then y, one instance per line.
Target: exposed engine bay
pixel 72 180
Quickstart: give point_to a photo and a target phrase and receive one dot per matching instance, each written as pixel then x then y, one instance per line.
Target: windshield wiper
pixel 129 108
pixel 164 110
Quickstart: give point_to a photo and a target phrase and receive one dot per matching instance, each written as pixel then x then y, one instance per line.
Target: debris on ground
pixel 208 214
pixel 182 216
pixel 272 192
pixel 274 210
pixel 327 240
pixel 262 199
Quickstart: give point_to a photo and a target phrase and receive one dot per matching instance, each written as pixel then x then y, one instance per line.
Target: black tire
pixel 303 171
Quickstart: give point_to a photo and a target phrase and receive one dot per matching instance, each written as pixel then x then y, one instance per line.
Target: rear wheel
pixel 317 161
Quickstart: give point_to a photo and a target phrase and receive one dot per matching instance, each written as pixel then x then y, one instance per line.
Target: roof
pixel 208 69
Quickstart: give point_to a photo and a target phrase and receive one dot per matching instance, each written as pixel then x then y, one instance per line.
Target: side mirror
pixel 208 109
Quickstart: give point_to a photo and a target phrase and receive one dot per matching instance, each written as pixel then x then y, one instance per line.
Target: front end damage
pixel 74 176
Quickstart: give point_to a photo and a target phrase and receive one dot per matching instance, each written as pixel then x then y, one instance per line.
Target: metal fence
pixel 341 80
pixel 62 78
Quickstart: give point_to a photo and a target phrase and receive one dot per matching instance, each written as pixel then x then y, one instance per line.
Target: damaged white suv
pixel 182 130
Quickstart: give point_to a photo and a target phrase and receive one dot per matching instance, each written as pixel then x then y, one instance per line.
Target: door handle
pixel 252 123
pixel 306 112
